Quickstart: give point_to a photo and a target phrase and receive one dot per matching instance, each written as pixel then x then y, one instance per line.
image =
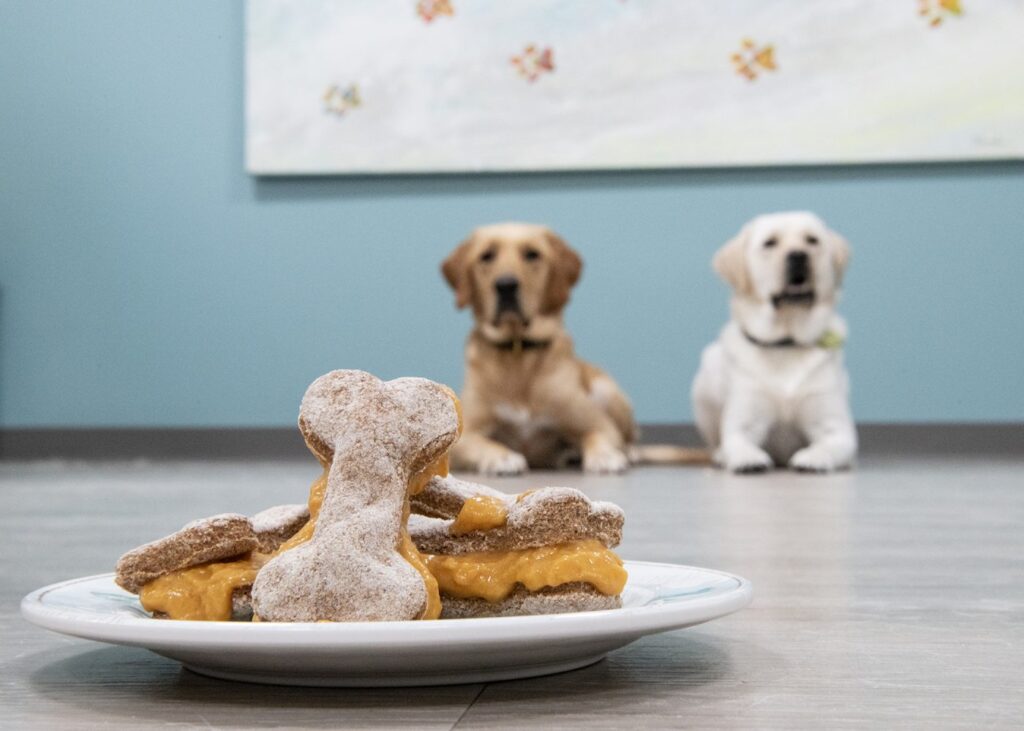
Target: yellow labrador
pixel 528 401
pixel 773 388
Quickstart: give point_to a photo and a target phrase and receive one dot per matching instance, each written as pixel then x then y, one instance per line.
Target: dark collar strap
pixel 780 343
pixel 517 345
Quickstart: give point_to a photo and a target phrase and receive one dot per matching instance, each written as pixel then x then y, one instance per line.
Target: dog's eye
pixel 812 240
pixel 770 243
pixel 531 254
pixel 488 256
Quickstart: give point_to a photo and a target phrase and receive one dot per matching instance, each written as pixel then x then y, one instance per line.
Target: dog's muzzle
pixel 798 268
pixel 798 289
pixel 507 290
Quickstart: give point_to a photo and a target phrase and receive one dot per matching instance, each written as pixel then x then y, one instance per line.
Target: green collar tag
pixel 831 340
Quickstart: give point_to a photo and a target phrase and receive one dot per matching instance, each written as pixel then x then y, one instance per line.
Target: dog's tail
pixel 668 454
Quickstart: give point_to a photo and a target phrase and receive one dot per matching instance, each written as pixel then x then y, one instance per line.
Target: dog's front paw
pixel 813 459
pixel 604 459
pixel 744 459
pixel 502 462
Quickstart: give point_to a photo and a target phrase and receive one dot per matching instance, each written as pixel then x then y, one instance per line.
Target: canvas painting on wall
pixel 413 86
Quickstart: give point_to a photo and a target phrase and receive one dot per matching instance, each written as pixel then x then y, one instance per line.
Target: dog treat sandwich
pixel 206 569
pixel 544 551
pixel 348 555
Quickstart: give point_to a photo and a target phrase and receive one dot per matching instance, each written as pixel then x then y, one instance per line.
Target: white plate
pixel 657 598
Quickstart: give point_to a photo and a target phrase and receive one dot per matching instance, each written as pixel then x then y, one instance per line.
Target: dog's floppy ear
pixel 840 254
pixel 566 266
pixel 456 271
pixel 730 263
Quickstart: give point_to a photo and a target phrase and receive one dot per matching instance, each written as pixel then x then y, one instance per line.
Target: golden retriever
pixel 773 388
pixel 528 401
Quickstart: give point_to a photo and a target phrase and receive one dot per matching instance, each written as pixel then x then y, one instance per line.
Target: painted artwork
pixel 416 86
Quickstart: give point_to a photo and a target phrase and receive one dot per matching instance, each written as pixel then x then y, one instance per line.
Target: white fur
pixel 526 424
pixel 758 406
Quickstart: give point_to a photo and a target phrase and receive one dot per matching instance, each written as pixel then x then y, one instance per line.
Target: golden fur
pixel 528 401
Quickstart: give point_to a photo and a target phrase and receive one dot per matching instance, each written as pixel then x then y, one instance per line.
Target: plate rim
pixel 634 621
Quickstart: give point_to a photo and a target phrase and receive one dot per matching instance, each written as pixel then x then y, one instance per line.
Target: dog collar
pixel 520 345
pixel 830 340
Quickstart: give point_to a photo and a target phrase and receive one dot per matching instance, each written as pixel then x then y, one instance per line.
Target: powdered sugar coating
pixel 538 503
pixel 276 525
pixel 214 522
pixel 375 435
pixel 279 517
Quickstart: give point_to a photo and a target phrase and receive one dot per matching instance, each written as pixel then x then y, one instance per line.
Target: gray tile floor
pixel 891 595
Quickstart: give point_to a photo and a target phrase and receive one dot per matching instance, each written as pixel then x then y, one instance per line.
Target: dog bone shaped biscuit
pixel 380 440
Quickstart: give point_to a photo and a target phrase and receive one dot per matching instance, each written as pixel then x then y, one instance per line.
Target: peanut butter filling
pixel 494 575
pixel 480 512
pixel 201 592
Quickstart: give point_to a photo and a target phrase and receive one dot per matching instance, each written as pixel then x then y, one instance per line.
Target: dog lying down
pixel 773 390
pixel 528 401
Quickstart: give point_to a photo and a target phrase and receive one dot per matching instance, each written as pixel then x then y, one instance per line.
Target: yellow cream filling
pixel 201 592
pixel 494 575
pixel 480 512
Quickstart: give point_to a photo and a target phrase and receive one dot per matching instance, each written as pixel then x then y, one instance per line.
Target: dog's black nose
pixel 796 267
pixel 506 286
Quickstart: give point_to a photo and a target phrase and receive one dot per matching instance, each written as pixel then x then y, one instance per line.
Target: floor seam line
pixel 471 704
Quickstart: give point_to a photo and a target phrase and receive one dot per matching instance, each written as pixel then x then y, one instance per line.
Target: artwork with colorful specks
pixel 418 86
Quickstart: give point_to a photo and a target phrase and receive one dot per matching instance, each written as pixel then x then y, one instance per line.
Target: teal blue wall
pixel 145 279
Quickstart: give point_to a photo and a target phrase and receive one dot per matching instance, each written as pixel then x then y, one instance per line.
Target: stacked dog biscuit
pixel 558 524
